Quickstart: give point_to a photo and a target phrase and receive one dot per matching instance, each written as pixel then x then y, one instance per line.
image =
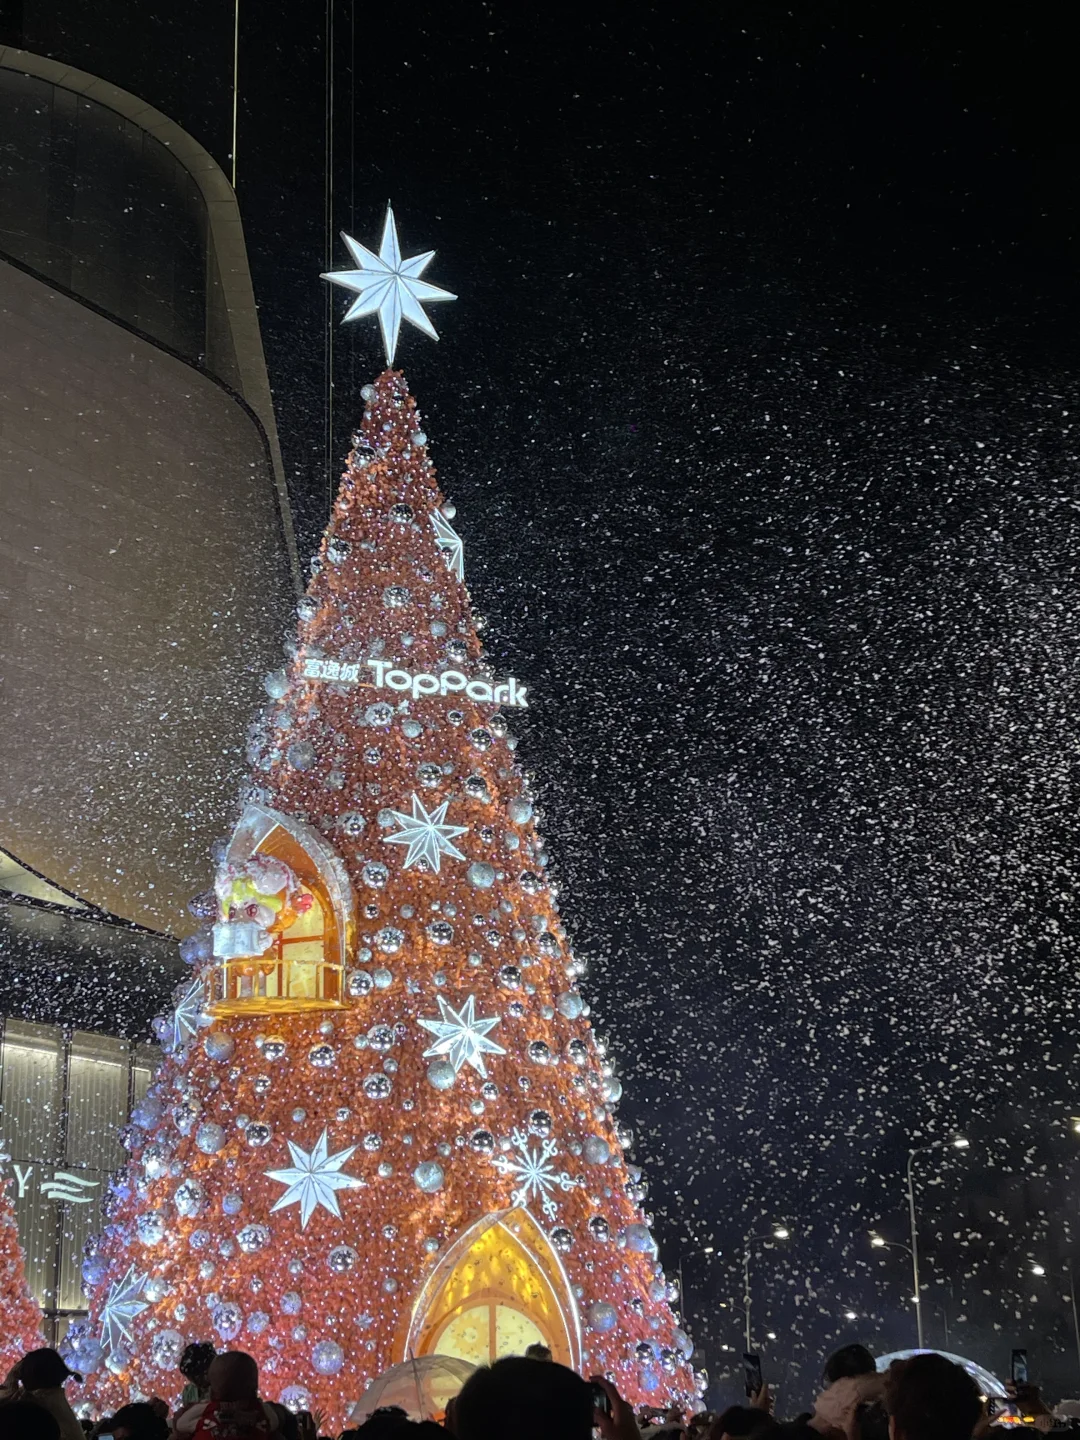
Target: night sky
pixel 758 407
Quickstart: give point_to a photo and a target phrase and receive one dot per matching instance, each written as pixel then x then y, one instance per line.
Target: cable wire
pixel 329 256
pixel 235 85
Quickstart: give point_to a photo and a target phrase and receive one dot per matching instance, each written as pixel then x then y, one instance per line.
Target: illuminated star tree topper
pixel 388 286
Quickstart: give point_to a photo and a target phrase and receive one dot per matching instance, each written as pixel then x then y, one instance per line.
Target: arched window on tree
pixel 498 1288
pixel 286 922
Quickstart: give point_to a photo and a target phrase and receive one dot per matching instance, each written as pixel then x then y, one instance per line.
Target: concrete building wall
pixel 143 588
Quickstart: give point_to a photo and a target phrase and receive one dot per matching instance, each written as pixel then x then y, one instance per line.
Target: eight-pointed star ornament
pixel 461 1037
pixel 426 834
pixel 123 1304
pixel 450 543
pixel 314 1178
pixel 388 286
pixel 183 1025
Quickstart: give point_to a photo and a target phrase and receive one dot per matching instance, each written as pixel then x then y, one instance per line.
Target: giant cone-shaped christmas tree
pixel 20 1317
pixel 384 1127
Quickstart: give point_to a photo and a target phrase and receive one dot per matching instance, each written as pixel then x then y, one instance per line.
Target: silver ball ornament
pixel 441 1074
pixel 602 1316
pixel 429 1176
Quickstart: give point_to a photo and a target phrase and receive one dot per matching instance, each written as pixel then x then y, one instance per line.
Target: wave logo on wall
pixel 72 1188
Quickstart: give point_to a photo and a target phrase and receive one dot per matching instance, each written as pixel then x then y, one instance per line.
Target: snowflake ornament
pixel 122 1306
pixel 534 1172
pixel 461 1037
pixel 426 834
pixel 313 1179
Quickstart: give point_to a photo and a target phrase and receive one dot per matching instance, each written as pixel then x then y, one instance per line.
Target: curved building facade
pixel 146 551
pixel 147 565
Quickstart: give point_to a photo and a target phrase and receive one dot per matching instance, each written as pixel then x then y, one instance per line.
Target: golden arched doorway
pixel 500 1288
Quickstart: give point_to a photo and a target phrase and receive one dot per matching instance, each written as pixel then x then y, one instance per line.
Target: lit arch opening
pixel 297 962
pixel 500 1288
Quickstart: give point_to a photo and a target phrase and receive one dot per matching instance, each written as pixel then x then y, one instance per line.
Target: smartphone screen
pixel 1019 1367
pixel 752 1366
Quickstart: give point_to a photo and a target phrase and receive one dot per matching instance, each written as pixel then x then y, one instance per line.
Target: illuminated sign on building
pixel 387 676
pixel 74 1189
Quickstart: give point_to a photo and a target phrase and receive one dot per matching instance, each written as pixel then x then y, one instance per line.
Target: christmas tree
pixel 383 1128
pixel 20 1317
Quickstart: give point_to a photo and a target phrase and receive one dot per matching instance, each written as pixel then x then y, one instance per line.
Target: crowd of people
pixel 527 1397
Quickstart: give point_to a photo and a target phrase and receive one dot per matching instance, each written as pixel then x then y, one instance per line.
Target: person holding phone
pixel 612 1415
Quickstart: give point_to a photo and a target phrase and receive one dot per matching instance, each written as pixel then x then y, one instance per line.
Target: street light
pixel 1037 1269
pixel 959 1142
pixel 850 1315
pixel 779 1232
pixel 880 1243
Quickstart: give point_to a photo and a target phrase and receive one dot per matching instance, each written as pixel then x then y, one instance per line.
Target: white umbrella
pixel 421 1387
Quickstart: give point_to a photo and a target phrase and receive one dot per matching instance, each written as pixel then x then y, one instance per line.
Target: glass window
pixel 30 1090
pixel 300 948
pixel 146 1063
pixel 97 1101
pixel 514 1332
pixel 487 1332
pixel 30 1110
pixel 63 1149
pixel 99 206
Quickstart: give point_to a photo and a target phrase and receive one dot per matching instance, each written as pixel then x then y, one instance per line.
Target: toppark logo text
pixel 387 676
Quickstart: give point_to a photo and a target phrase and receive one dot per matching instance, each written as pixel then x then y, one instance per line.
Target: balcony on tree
pixel 304 966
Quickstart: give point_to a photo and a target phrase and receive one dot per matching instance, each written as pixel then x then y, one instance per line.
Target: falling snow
pixel 782 535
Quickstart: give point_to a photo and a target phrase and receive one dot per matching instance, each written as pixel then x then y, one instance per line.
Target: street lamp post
pixel 780 1232
pixel 879 1243
pixel 1040 1270
pixel 959 1143
pixel 914 1243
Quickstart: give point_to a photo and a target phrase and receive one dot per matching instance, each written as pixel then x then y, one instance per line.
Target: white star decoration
pixel 122 1305
pixel 188 1017
pixel 388 286
pixel 313 1179
pixel 426 835
pixel 461 1037
pixel 537 1176
pixel 449 542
